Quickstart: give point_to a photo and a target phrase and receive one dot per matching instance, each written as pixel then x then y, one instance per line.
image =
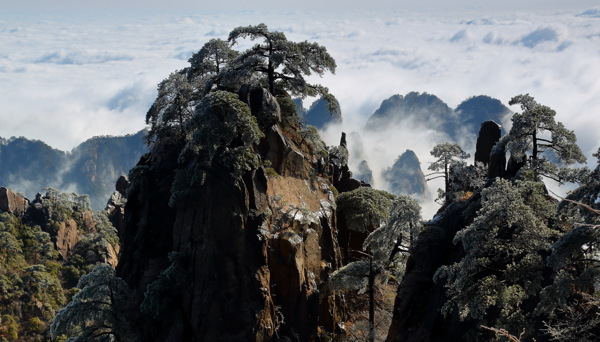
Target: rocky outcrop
pixel 12 203
pixel 341 176
pixel 256 250
pixel 497 165
pixel 489 135
pixel 67 237
pixel 405 176
pixel 419 300
pixel 262 105
pixel 115 208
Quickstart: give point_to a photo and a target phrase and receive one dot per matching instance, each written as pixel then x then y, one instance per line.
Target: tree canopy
pixel 282 64
pixel 274 62
pixel 449 155
pixel 94 313
pixel 502 269
pixel 208 62
pixel 173 107
pixel 365 209
pixel 535 137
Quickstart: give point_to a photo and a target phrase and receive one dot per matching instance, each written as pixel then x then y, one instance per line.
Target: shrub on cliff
pixel 222 136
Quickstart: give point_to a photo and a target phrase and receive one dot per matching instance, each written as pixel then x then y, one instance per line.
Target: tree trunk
pixel 447 181
pixel 271 72
pixel 371 301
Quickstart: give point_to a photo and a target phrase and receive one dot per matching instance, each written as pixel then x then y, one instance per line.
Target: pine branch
pixel 577 203
pixel 505 333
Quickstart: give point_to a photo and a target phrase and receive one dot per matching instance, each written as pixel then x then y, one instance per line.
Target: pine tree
pixel 95 312
pixel 535 136
pixel 504 257
pixel 570 302
pixel 281 64
pixel 449 156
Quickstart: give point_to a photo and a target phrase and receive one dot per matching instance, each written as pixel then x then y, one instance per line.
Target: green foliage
pixel 206 64
pixel 535 136
pixel 95 312
pixel 287 106
pixel 365 209
pixel 449 156
pixel 34 278
pixel 281 64
pixel 9 328
pixel 43 288
pixel 223 133
pixel 503 263
pixel 311 137
pixel 271 172
pixel 350 277
pixel 397 235
pixel 173 107
pixel 338 155
pixel 571 301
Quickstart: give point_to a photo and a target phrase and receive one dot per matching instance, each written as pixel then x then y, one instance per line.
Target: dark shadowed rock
pixel 251 253
pixel 122 185
pixel 115 208
pixel 405 176
pixel 12 203
pixel 489 135
pixel 263 105
pixel 513 166
pixel 497 165
pixel 419 300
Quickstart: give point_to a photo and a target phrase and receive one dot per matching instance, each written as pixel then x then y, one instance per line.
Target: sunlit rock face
pixel 11 202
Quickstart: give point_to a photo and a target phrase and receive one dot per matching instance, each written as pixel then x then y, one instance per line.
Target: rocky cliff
pixel 242 257
pixel 11 202
pixel 406 176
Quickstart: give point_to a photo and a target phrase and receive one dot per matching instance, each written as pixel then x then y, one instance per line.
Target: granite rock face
pixel 252 253
pixel 419 300
pixel 115 208
pixel 12 203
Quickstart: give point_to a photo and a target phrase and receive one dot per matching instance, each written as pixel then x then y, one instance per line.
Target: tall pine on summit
pixel 535 134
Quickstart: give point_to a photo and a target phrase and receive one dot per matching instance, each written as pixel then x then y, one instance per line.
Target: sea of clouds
pixel 67 77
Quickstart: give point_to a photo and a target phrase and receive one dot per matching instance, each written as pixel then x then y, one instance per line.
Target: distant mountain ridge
pixel 318 114
pixel 406 176
pixel 91 168
pixel 423 109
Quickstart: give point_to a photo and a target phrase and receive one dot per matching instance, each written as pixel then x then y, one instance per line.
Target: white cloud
pixel 66 78
pixel 81 57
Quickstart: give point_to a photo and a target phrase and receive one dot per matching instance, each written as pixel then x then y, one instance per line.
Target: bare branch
pixel 505 333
